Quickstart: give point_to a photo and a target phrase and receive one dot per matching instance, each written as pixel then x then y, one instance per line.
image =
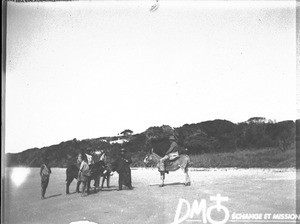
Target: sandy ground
pixel 248 190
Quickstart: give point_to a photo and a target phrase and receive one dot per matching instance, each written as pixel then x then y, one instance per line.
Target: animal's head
pixel 114 166
pixel 108 167
pixel 149 157
pixel 79 159
pixel 98 167
pixel 101 165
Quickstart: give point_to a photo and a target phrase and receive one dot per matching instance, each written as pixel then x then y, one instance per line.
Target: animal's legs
pixel 96 182
pixel 103 180
pixel 187 178
pixel 68 182
pixel 84 189
pixel 88 185
pixel 77 186
pixel 162 178
pixel 107 180
pixel 121 181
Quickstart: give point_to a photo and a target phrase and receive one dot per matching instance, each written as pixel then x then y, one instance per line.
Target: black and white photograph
pixel 150 111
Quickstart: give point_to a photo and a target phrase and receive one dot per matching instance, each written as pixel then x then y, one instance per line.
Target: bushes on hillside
pixel 218 136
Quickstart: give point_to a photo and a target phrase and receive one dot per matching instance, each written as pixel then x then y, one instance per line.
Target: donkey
pixel 97 169
pixel 183 162
pixel 105 177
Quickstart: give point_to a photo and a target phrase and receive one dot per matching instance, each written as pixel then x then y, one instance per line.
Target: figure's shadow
pixel 108 189
pixel 114 188
pixel 168 184
pixel 52 196
pixel 95 191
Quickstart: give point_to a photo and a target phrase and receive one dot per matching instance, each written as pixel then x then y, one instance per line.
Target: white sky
pixel 94 68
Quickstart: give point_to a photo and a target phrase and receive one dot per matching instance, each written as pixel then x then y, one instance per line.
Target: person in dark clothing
pixel 45 172
pixel 121 165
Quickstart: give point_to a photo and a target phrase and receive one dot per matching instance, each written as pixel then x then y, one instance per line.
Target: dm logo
pixel 197 208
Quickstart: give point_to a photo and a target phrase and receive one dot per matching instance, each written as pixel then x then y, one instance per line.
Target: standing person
pixel 88 156
pixel 121 165
pixel 171 153
pixel 83 173
pixel 107 173
pixel 45 172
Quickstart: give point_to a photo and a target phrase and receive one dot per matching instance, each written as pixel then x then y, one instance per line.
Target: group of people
pixel 121 165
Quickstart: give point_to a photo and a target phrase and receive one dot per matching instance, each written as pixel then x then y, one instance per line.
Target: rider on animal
pixel 171 154
pixel 182 161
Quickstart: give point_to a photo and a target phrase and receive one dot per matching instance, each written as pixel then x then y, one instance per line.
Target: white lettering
pixel 178 220
pixel 197 208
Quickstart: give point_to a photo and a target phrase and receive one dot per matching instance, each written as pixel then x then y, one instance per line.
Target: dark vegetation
pixel 255 143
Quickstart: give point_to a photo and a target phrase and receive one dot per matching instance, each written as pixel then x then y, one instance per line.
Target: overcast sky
pixel 88 69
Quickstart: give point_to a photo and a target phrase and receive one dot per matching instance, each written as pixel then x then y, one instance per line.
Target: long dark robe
pixel 121 165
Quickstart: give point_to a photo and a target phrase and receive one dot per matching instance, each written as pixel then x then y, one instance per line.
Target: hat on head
pixel 172 138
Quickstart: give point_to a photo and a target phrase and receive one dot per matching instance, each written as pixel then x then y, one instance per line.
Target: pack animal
pixel 96 170
pixel 105 177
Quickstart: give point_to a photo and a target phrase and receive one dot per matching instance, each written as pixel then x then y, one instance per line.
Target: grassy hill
pixel 219 143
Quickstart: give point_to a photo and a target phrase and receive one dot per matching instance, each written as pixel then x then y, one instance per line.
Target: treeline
pixel 224 136
pixel 209 137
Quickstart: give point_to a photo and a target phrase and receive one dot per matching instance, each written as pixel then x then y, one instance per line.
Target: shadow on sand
pixel 108 189
pixel 115 188
pixel 168 184
pixel 73 193
pixel 95 191
pixel 52 196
